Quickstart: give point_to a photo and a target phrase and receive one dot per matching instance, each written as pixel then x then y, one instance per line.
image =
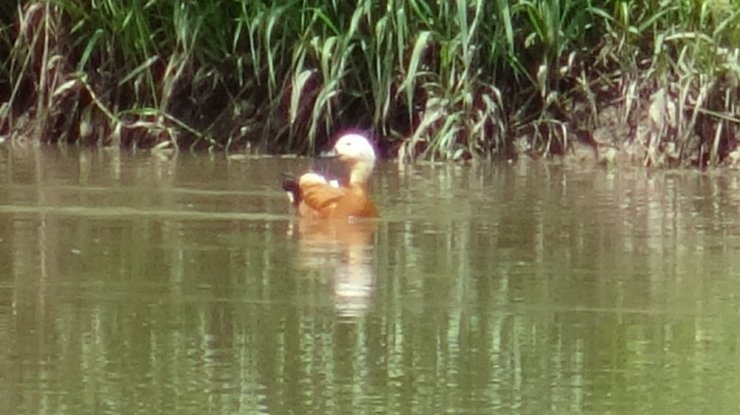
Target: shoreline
pixel 443 91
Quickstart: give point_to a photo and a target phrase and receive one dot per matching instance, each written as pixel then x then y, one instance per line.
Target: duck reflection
pixel 345 248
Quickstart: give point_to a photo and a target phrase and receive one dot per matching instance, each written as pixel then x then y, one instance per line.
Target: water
pixel 135 284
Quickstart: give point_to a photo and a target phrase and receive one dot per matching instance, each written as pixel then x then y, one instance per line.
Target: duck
pixel 315 196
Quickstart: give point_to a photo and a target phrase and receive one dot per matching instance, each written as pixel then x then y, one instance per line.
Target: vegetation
pixel 440 80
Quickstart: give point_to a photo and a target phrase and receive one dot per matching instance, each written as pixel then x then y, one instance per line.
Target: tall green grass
pixel 439 80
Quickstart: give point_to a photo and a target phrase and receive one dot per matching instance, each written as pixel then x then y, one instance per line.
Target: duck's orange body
pixel 316 197
pixel 322 200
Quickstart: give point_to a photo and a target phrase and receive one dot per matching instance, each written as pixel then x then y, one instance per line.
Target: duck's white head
pixel 358 153
pixel 354 147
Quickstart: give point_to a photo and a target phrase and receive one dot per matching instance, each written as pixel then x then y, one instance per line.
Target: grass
pixel 439 80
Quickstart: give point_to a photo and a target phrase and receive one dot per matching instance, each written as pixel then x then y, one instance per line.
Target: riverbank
pixel 460 80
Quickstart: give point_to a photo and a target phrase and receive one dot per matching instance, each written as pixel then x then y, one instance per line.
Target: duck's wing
pixel 321 195
pixel 292 189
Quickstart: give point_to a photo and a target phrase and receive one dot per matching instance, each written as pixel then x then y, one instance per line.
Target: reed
pixel 440 80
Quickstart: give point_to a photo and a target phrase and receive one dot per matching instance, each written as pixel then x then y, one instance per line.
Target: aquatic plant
pixel 439 80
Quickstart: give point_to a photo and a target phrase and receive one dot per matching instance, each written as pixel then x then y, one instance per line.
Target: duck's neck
pixel 360 173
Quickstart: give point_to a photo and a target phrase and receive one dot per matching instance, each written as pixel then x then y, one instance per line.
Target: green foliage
pixel 440 80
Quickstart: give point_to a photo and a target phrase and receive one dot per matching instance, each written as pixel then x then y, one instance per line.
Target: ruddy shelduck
pixel 314 196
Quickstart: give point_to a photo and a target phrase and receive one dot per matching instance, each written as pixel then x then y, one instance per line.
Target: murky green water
pixel 139 285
